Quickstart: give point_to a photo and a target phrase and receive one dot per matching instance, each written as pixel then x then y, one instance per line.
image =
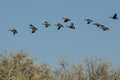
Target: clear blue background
pixel 49 44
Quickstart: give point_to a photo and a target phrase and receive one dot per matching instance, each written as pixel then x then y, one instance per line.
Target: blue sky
pixel 49 44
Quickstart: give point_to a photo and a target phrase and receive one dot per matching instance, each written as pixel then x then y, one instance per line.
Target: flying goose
pixel 46 24
pixel 71 26
pixel 14 31
pixel 114 16
pixel 104 28
pixel 66 19
pixel 97 24
pixel 59 25
pixel 89 21
pixel 33 28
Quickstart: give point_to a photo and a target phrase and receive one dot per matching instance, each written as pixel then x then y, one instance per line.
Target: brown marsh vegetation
pixel 18 66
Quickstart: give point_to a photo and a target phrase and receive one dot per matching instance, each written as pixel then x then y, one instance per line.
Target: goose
pixel 14 31
pixel 104 28
pixel 46 24
pixel 59 25
pixel 114 16
pixel 33 28
pixel 66 19
pixel 97 24
pixel 89 21
pixel 71 26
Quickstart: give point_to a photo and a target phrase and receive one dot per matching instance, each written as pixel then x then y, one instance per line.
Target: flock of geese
pixel 71 26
